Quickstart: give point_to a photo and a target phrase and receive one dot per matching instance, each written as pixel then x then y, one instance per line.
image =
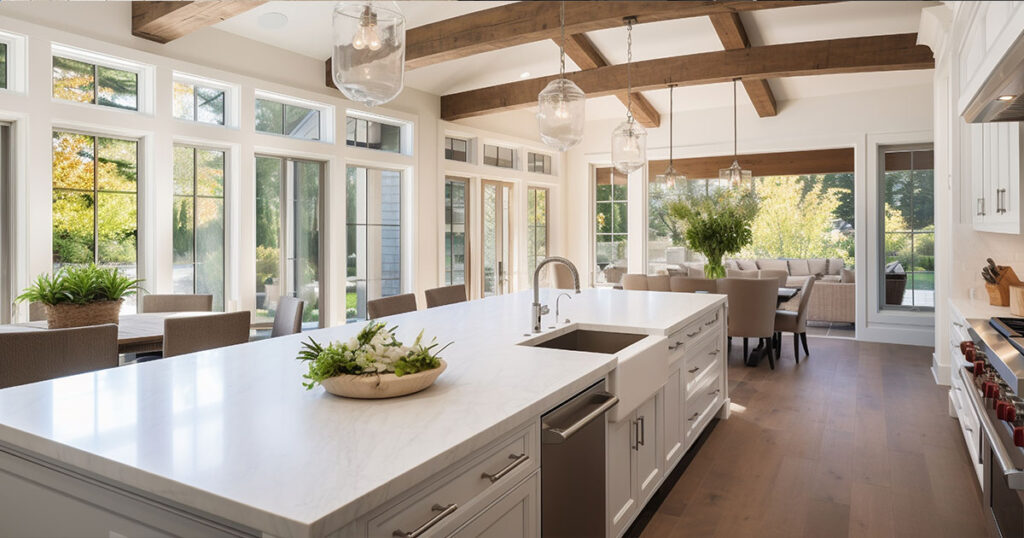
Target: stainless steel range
pixel 985 394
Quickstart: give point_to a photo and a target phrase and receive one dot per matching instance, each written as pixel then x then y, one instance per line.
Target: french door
pixel 288 241
pixel 496 237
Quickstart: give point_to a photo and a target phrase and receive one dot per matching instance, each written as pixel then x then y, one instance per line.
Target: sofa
pixel 833 297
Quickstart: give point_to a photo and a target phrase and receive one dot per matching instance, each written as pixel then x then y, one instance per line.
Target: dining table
pixel 136 333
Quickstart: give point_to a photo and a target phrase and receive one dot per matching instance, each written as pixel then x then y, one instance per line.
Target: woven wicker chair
pixel 32 355
pixel 198 333
pixel 389 306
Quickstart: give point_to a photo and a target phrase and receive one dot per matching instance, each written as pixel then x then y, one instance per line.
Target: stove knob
pixel 966 345
pixel 1018 436
pixel 991 389
pixel 971 355
pixel 1010 415
pixel 979 368
pixel 1002 407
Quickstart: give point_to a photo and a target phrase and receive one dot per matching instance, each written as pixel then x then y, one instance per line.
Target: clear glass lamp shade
pixel 368 62
pixel 560 114
pixel 734 176
pixel 629 146
pixel 670 177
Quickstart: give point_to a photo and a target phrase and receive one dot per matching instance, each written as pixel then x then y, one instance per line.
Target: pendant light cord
pixel 735 152
pixel 629 69
pixel 671 125
pixel 561 20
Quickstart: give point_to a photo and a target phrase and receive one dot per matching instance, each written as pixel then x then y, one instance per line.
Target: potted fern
pixel 78 296
pixel 716 224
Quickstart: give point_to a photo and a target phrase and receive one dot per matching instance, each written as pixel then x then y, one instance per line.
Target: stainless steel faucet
pixel 539 309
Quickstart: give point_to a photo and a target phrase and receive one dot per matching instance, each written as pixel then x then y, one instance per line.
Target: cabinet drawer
pixel 692 332
pixel 517 514
pixel 705 361
pixel 701 405
pixel 456 496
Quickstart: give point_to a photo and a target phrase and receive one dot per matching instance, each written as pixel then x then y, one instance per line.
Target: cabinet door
pixel 515 515
pixel 1011 179
pixel 977 159
pixel 648 459
pixel 621 474
pixel 671 421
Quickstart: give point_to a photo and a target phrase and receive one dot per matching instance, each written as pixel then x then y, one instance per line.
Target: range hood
pixel 1001 96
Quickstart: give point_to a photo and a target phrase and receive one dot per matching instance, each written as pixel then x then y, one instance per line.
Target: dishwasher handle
pixel 599 404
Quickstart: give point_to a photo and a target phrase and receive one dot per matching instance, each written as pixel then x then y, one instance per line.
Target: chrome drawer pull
pixel 715 352
pixel 642 440
pixel 716 391
pixel 693 418
pixel 519 460
pixel 969 429
pixel 695 368
pixel 444 511
pixel 691 335
pixel 712 322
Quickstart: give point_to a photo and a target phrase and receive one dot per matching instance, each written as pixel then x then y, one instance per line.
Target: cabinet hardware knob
pixel 443 512
pixel 519 459
pixel 694 369
pixel 691 335
pixel 693 418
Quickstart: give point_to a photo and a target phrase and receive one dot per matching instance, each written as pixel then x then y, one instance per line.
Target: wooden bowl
pixel 372 386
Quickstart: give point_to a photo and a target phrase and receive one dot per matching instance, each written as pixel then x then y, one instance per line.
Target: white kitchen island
pixel 228 442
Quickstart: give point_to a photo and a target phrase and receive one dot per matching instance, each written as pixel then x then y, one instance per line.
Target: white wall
pixel 104 27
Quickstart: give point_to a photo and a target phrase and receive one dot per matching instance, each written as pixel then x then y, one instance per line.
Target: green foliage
pixel 375 350
pixel 716 224
pixel 80 285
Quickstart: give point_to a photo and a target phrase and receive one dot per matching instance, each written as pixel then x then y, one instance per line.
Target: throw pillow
pixel 848 276
pixel 731 264
pixel 747 265
pixel 777 265
pixel 799 268
pixel 835 266
pixel 817 266
pixel 695 272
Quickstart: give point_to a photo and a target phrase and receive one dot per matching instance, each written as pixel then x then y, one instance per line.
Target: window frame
pixel 7 224
pixel 404 282
pixel 546 163
pixel 355 143
pixel 17 61
pixel 326 123
pixel 469 148
pixel 230 91
pixel 531 229
pixel 195 196
pixel 513 159
pixel 143 82
pixel 593 219
pixel 467 227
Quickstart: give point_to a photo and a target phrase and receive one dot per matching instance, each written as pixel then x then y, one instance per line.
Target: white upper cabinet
pixel 990 32
pixel 995 175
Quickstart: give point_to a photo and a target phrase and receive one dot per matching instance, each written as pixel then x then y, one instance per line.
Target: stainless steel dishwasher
pixel 572 461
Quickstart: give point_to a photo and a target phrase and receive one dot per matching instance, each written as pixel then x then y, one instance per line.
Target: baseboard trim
pixel 940 372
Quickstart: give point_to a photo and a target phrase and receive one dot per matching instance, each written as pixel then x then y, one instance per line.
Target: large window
pixel 499 156
pixel 289 120
pixel 611 219
pixel 456 149
pixel 538 163
pixel 363 133
pixel 95 202
pixel 84 82
pixel 288 224
pixel 198 222
pixel 196 102
pixel 6 228
pixel 908 228
pixel 536 226
pixel 373 237
pixel 456 199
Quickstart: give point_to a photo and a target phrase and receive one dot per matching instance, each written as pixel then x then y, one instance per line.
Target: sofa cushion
pixel 798 268
pixel 835 266
pixel 695 272
pixel 795 281
pixel 848 276
pixel 731 264
pixel 831 278
pixel 777 265
pixel 747 265
pixel 817 266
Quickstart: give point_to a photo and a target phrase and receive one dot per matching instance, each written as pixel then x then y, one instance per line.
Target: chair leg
pixel 796 347
pixel 771 356
pixel 728 350
pixel 745 352
pixel 803 338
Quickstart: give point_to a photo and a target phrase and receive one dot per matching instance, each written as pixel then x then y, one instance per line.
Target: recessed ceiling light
pixel 273 20
pixel 1006 97
pixel 524 74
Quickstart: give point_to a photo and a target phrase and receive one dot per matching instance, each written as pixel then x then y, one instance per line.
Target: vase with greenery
pixel 81 295
pixel 716 223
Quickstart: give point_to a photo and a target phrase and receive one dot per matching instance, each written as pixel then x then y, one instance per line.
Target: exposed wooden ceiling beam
pixel 585 55
pixel 527 22
pixel 819 161
pixel 734 36
pixel 166 21
pixel 851 55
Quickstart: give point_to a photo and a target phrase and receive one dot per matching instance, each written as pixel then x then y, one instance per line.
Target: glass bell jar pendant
pixel 368 62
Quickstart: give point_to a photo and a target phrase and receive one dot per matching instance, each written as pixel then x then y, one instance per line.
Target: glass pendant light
pixel 670 177
pixel 368 62
pixel 561 106
pixel 629 139
pixel 734 176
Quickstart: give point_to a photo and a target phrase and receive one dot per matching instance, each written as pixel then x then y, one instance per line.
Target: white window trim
pixel 326 115
pixel 517 155
pixel 146 73
pixel 17 62
pixel 406 140
pixel 471 147
pixel 231 98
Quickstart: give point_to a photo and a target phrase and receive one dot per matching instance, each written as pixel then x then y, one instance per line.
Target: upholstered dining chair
pixel 198 333
pixel 778 274
pixel 740 273
pixel 563 276
pixel 37 355
pixel 174 302
pixel 389 306
pixel 751 311
pixel 658 283
pixel 690 285
pixel 795 322
pixel 446 295
pixel 288 317
pixel 634 281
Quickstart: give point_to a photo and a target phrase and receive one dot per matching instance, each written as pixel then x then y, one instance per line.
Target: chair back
pixel 389 306
pixel 288 317
pixel 176 303
pixel 634 281
pixel 198 333
pixel 446 295
pixel 740 273
pixel 752 304
pixel 563 276
pixel 658 283
pixel 805 295
pixel 38 355
pixel 777 274
pixel 689 285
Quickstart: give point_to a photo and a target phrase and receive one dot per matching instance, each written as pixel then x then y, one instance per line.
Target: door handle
pixel 443 512
pixel 642 440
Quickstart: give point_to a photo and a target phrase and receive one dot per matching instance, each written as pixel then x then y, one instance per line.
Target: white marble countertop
pixel 232 432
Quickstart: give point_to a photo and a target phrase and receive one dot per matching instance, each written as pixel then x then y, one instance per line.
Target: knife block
pixel 999 293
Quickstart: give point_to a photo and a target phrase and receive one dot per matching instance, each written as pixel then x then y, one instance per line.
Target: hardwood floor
pixel 854 441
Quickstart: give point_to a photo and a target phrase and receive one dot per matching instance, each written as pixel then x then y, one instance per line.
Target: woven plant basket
pixel 66 315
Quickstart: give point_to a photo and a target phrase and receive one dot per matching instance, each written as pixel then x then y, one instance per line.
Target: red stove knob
pixel 979 368
pixel 965 345
pixel 1010 415
pixel 1018 436
pixel 1002 407
pixel 991 389
pixel 971 355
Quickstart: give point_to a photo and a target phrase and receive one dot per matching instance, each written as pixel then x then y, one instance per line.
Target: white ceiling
pixel 308 32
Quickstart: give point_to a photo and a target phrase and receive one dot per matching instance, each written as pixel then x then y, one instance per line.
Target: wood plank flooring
pixel 854 441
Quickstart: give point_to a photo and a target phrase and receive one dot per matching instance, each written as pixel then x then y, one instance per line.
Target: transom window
pixel 286 119
pixel 199 103
pixel 84 82
pixel 363 133
pixel 499 156
pixel 198 222
pixel 538 163
pixel 456 149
